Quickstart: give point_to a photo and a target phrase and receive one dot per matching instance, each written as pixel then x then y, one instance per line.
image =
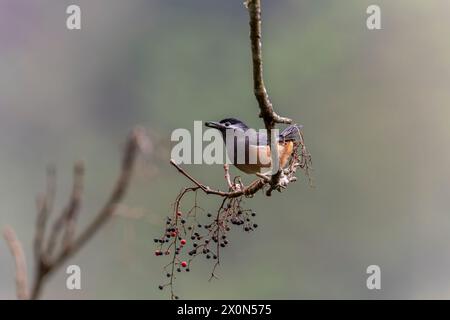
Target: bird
pixel 256 158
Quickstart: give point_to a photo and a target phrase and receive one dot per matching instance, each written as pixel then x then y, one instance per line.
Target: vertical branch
pixel 74 205
pixel 270 117
pixel 44 205
pixel 20 263
pixel 265 105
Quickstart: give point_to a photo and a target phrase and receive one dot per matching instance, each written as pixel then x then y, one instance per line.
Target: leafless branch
pixel 20 262
pixel 270 117
pixel 248 191
pixel 267 113
pixel 51 254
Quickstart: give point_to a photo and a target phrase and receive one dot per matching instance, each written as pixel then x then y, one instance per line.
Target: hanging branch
pixel 52 254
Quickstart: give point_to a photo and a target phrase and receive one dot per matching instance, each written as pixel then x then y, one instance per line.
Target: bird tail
pixel 291 133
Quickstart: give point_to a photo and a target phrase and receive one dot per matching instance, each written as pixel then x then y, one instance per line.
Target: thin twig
pixel 44 206
pixel 248 191
pixel 226 168
pixel 20 263
pixel 46 263
pixel 67 220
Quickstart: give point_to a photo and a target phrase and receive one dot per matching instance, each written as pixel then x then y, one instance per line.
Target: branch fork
pixel 61 242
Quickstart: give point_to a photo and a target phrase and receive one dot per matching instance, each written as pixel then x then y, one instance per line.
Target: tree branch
pixel 46 260
pixel 16 249
pixel 265 105
pixel 270 117
pixel 248 191
pixel 47 264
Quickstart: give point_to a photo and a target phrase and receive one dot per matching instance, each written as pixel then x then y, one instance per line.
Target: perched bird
pixel 249 149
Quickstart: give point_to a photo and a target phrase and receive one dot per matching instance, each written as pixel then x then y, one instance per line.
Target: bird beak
pixel 215 125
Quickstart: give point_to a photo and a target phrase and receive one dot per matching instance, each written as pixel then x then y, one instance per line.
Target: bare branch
pixel 254 187
pixel 74 205
pixel 226 168
pixel 16 249
pixel 44 206
pixel 67 220
pixel 50 254
pixel 267 113
pixel 270 117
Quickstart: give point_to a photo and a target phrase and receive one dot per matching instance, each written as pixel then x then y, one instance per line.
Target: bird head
pixel 227 124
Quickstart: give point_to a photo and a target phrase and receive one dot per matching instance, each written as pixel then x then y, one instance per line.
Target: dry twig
pixel 20 262
pixel 51 254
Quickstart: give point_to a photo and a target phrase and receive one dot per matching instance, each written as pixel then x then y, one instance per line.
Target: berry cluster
pixel 195 233
pixel 191 233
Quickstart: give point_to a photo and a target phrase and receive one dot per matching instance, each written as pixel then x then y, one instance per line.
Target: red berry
pixel 158 253
pixel 173 234
pixel 183 242
pixel 184 264
pixel 179 213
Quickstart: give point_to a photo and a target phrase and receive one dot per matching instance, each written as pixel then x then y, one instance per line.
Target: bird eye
pixel 227 124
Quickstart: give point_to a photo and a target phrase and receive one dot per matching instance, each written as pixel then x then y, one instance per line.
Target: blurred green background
pixel 374 105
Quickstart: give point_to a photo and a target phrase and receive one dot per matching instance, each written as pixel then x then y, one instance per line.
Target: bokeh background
pixel 375 106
